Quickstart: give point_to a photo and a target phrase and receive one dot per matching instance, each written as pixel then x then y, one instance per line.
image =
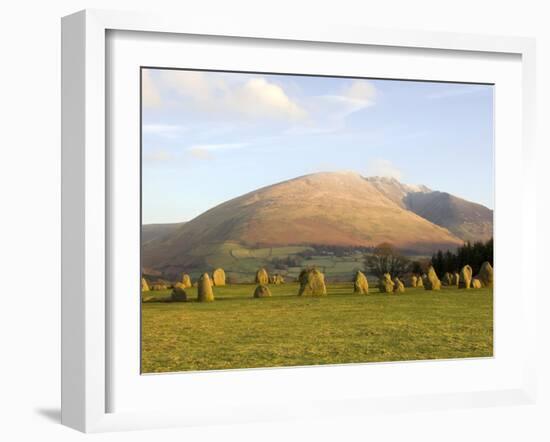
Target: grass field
pixel 241 263
pixel 238 331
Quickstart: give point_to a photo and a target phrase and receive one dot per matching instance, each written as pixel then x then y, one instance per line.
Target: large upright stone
pixel 476 283
pixel 262 277
pixel 312 283
pixel 456 279
pixel 413 281
pixel 144 285
pixel 276 279
pixel 485 275
pixel 385 284
pixel 262 291
pixel 159 286
pixel 465 277
pixel 204 289
pixel 432 281
pixel 178 293
pixel 186 281
pixel 279 279
pixel 360 284
pixel 218 277
pixel 448 279
pixel 398 286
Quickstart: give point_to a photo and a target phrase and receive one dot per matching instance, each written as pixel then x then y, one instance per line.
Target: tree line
pixel 473 254
pixel 385 258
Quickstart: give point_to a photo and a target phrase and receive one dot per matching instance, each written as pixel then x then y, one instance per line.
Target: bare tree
pixel 386 259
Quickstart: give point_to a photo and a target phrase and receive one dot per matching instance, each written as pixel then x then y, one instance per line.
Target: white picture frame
pixel 86 213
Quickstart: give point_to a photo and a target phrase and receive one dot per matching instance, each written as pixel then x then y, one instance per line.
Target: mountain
pixel 466 220
pixel 395 190
pixel 335 209
pixel 157 232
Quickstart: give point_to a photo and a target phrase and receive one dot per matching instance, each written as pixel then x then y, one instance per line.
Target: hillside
pixel 156 232
pixel 395 190
pixel 336 209
pixel 467 220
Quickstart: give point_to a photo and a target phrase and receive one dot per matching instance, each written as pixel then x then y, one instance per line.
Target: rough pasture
pixel 238 331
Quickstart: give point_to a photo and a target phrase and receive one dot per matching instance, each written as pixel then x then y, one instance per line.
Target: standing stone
pixel 262 291
pixel 456 279
pixel 312 283
pixel 398 286
pixel 385 284
pixel 276 279
pixel 485 275
pixel 279 279
pixel 420 282
pixel 186 281
pixel 432 281
pixel 218 277
pixel 204 289
pixel 447 279
pixel 361 284
pixel 262 277
pixel 476 283
pixel 178 293
pixel 159 287
pixel 144 285
pixel 413 281
pixel 465 277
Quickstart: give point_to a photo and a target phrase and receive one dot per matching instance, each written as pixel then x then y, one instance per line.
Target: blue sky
pixel 209 136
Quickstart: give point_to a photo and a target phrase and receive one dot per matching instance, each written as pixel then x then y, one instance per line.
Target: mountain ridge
pixel 327 208
pixel 467 220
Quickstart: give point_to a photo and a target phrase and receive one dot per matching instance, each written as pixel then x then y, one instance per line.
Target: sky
pixel 208 137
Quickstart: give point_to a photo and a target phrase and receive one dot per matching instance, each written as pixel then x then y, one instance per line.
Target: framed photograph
pixel 268 223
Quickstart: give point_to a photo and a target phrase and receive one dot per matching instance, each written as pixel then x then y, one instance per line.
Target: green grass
pixel 332 266
pixel 237 331
pixel 241 262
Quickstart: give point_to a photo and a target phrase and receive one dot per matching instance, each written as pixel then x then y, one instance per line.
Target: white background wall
pixel 30 220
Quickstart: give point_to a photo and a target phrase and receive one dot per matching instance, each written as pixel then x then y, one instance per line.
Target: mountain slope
pixel 467 220
pixel 341 209
pixel 156 232
pixel 395 190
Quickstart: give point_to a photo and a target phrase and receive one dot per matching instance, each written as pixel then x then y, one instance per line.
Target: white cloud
pixel 255 98
pixel 362 91
pixel 199 86
pixel 384 168
pixel 149 91
pixel 328 113
pixel 258 97
pixel 358 96
pixel 249 99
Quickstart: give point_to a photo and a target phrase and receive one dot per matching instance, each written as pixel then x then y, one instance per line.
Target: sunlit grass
pixel 237 331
